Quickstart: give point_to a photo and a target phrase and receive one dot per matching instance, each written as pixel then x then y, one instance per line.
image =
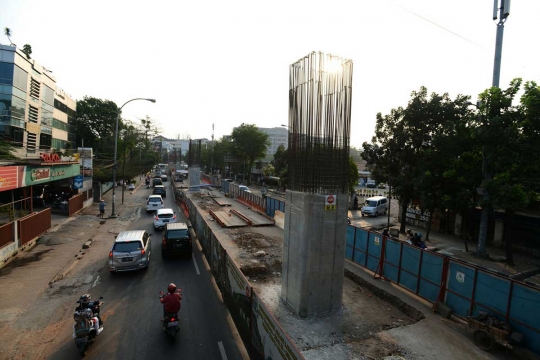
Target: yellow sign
pixel 33 128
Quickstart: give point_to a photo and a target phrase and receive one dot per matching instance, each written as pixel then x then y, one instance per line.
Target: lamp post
pixel 113 215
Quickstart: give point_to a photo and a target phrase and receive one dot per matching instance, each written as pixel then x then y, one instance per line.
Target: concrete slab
pixel 227 219
pixel 221 202
pixel 254 218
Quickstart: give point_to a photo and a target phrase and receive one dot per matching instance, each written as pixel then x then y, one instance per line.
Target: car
pixel 243 188
pixel 160 190
pixel 176 240
pixel 156 181
pixel 164 217
pixel 130 251
pixel 164 178
pixel 131 187
pixel 371 184
pixel 154 203
pixel 375 205
pixel 158 173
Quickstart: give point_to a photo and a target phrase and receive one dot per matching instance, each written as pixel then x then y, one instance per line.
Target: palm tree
pixel 7 32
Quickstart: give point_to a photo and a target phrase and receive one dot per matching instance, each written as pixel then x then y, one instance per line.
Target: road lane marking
pixel 195 262
pixel 222 351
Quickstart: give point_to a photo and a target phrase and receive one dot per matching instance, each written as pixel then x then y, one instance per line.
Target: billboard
pixel 85 161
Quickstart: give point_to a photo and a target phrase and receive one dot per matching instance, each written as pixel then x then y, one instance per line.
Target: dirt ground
pixel 355 332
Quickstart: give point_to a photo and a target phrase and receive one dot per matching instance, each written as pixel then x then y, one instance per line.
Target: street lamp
pixel 113 215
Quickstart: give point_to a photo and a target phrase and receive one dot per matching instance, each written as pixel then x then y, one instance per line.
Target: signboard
pixel 460 277
pixel 10 177
pixel 377 240
pixel 78 182
pixel 41 174
pixel 85 160
pixel 330 202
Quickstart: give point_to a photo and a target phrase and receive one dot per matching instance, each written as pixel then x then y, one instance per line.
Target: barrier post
pixel 419 271
pixel 367 249
pixel 380 266
pixel 444 277
pixel 509 301
pixel 471 307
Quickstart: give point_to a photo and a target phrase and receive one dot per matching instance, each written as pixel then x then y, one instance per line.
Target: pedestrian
pixel 102 208
pixel 355 202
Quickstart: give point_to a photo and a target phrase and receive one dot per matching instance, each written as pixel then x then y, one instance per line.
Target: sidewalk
pixel 453 246
pixel 36 281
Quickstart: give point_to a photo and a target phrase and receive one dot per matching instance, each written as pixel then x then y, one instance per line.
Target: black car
pixel 160 190
pixel 156 181
pixel 176 240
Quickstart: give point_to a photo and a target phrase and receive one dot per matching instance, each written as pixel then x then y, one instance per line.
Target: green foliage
pixel 353 174
pixel 281 159
pixel 96 120
pixel 27 50
pixel 249 144
pixel 6 151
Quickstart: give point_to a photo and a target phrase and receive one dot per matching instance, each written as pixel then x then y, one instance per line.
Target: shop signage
pixel 38 175
pixel 10 177
pixel 55 158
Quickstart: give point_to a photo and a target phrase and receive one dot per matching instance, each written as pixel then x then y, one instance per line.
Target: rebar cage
pixel 194 153
pixel 320 95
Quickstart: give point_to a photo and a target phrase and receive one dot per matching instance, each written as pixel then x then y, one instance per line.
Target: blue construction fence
pixel 465 288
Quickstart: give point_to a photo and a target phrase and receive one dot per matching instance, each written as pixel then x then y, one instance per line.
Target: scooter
pixel 170 321
pixel 84 330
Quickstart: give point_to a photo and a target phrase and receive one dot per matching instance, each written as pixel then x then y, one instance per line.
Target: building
pixel 277 136
pixel 35 114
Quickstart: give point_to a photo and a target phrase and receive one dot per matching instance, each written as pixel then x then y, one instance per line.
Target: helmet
pixel 85 298
pixel 171 288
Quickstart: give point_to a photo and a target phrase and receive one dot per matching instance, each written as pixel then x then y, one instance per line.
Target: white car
pixel 244 188
pixel 131 187
pixel 154 203
pixel 163 217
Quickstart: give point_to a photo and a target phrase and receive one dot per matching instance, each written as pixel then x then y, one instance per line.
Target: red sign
pixel 9 177
pixel 49 157
pixel 330 199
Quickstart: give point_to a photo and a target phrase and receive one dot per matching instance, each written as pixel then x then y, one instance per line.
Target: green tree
pixel 353 175
pixel 7 32
pixel 27 50
pixel 6 151
pixel 96 118
pixel 281 159
pixel 249 144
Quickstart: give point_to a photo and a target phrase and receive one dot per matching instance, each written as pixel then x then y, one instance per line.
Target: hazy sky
pixel 226 62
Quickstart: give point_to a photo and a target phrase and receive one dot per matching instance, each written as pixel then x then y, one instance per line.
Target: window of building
pixel 57 124
pixel 45 141
pixel 12 134
pixel 31 142
pixel 32 114
pixel 48 95
pixel 6 73
pixel 20 78
pixel 35 88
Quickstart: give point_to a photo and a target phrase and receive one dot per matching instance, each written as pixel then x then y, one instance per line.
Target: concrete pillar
pixel 194 175
pixel 457 225
pixel 313 254
pixel 499 233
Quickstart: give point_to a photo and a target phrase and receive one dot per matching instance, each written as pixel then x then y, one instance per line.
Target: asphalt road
pixel 132 311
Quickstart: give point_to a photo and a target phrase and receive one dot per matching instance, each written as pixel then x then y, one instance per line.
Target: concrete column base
pixel 313 254
pixel 194 175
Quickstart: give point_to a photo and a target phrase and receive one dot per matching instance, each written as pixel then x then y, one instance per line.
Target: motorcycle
pixel 170 320
pixel 85 303
pixel 85 329
pixel 147 184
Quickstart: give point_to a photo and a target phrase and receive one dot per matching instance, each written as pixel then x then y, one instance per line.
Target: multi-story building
pixel 35 114
pixel 277 136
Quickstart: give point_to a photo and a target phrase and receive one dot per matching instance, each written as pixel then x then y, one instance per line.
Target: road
pixel 132 312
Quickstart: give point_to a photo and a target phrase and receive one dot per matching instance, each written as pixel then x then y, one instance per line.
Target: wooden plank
pixel 222 202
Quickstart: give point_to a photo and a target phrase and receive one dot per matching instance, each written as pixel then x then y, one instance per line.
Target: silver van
pixel 130 251
pixel 375 205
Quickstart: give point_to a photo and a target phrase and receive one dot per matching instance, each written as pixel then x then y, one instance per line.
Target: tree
pixel 6 151
pixel 27 50
pixel 353 175
pixel 96 119
pixel 7 32
pixel 281 159
pixel 249 144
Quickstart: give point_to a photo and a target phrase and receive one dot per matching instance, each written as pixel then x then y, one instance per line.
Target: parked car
pixel 375 205
pixel 164 217
pixel 244 188
pixel 156 181
pixel 160 190
pixel 131 251
pixel 131 187
pixel 164 178
pixel 176 240
pixel 158 173
pixel 371 184
pixel 154 203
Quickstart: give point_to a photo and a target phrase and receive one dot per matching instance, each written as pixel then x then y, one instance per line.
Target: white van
pixel 375 206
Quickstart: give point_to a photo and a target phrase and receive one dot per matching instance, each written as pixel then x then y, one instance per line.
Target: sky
pixel 227 62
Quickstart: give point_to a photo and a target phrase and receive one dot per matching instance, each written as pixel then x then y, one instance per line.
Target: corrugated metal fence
pixel 465 288
pixel 6 233
pixel 34 225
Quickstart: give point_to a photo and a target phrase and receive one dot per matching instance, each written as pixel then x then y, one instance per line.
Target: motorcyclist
pixel 94 321
pixel 171 301
pixel 85 302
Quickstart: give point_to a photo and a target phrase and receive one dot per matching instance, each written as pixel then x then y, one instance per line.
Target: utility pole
pixel 212 154
pixel 500 14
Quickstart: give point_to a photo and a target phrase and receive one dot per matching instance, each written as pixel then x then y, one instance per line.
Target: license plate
pixel 172 323
pixel 80 340
pixel 127 259
pixel 177 245
pixel 165 221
